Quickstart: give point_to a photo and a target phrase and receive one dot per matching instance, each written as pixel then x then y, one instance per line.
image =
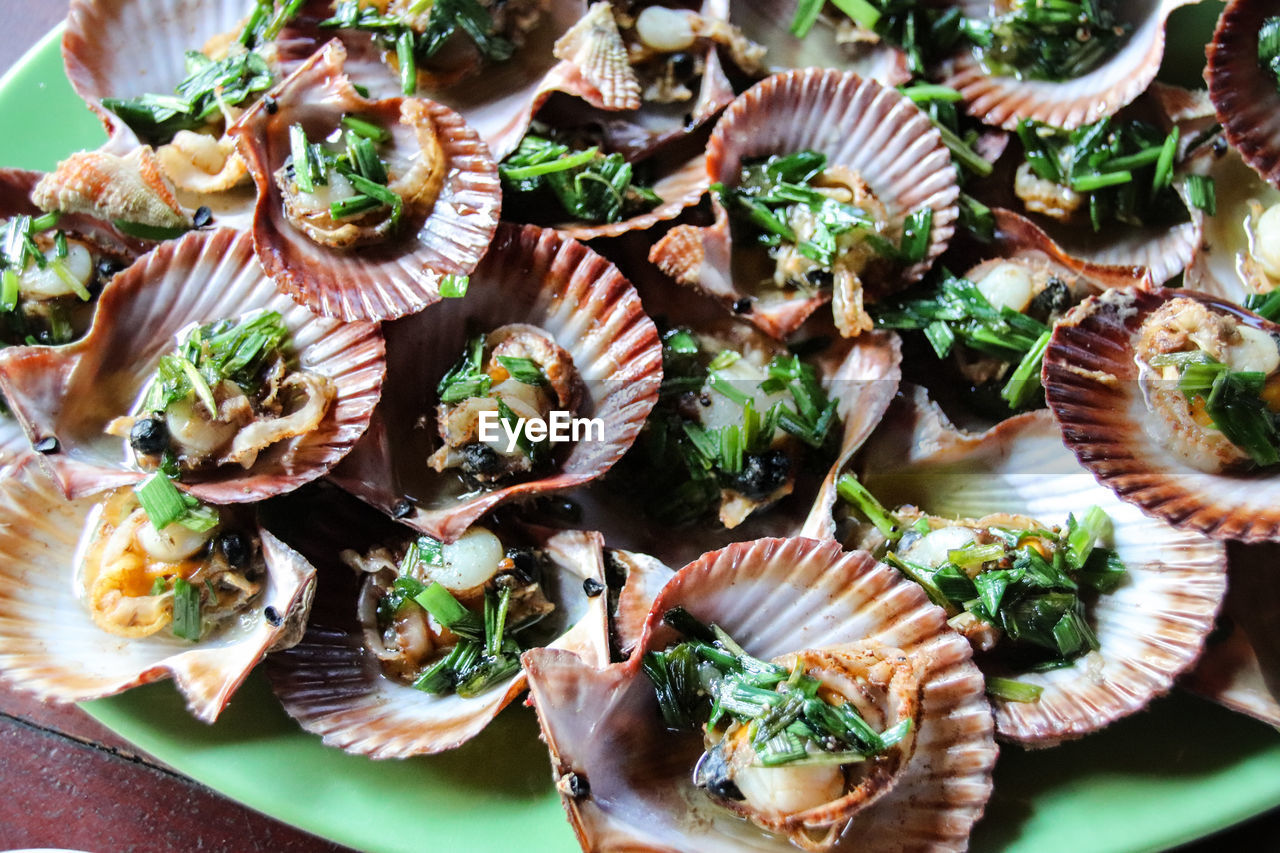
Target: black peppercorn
pixel 149 436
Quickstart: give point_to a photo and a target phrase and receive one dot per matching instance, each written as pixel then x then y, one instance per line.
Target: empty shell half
pixel 94 403
pixel 1150 628
pixel 869 151
pixel 1120 377
pixel 365 208
pixel 52 645
pixel 359 676
pixel 626 779
pixel 578 351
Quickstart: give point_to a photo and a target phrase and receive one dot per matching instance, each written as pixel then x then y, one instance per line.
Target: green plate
pixel 1177 772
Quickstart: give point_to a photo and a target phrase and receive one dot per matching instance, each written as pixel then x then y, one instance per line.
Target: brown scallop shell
pixel 1004 101
pixel 334 688
pixel 50 646
pixel 857 123
pixel 1150 630
pixel 773 596
pixel 72 392
pixel 530 275
pixel 1241 670
pixel 1244 95
pixel 1091 382
pixel 384 280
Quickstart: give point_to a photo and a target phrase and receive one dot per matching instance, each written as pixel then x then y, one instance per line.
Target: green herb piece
pixel 366 129
pixel 8 290
pixel 402 592
pixel 159 587
pixel 441 604
pixel 710 677
pixel 1202 193
pixel 1233 402
pixel 467 377
pixel 453 286
pixel 856 495
pixel 162 502
pixel 587 184
pixel 1025 380
pixel 1010 690
pixel 186 610
pixel 1084 533
pixel 198 99
pixel 1265 305
pixel 1269 47
pixel 524 370
pixel 1048 39
pixel 143 231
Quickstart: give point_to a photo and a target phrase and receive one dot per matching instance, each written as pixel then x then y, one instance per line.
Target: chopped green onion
pixel 523 370
pixel 1011 690
pixel 446 610
pixel 161 500
pixel 1025 380
pixel 148 232
pixel 186 610
pixel 856 495
pixel 366 129
pixel 1202 193
pixel 453 286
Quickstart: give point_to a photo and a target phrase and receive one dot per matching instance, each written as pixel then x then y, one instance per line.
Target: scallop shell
pixel 50 646
pixel 643 577
pixel 331 685
pixel 1150 630
pixel 594 47
pixel 858 124
pixel 122 49
pixel 16 186
pixel 1004 101
pixel 72 392
pixel 773 596
pixel 861 374
pixel 385 280
pixel 1219 267
pixel 1018 237
pixel 1244 96
pixel 132 188
pixel 768 22
pixel 1239 669
pixel 531 275
pixel 1091 382
pixel 1164 251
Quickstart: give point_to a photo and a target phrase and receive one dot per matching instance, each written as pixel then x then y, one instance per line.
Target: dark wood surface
pixel 69 782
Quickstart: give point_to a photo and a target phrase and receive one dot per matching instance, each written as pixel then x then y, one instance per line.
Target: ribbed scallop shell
pixel 1239 670
pixel 122 49
pixel 858 124
pixel 334 688
pixel 106 186
pixel 1244 95
pixel 1150 630
pixel 645 578
pixel 773 596
pixel 1091 382
pixel 768 22
pixel 72 392
pixel 1016 236
pixel 1217 267
pixel 861 374
pixel 1004 101
pixel 594 47
pixel 530 275
pixel 50 646
pixel 385 280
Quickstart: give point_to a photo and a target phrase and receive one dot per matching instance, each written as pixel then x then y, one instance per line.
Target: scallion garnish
pixel 709 677
pixel 454 286
pixel 524 370
pixel 586 184
pixel 1011 690
pixel 1233 401
pixel 1269 47
pixel 187 622
pixel 1004 578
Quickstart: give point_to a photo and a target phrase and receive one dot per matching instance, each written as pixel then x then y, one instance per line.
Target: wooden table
pixel 69 782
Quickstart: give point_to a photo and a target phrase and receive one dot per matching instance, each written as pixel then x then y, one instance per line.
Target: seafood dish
pixel 802 410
